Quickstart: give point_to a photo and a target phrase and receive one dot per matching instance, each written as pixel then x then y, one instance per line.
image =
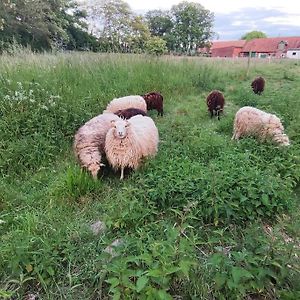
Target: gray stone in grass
pixel 98 227
pixel 111 248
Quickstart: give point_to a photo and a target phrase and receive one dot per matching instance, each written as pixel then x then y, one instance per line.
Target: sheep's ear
pixel 112 123
pixel 127 123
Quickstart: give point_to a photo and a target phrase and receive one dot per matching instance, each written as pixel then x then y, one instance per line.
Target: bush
pixel 155 45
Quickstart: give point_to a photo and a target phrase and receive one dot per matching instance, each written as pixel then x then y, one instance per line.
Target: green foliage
pixel 256 265
pixel 149 272
pixel 32 132
pixel 156 46
pixel 207 218
pixel 43 25
pixel 192 26
pixel 159 23
pixel 253 35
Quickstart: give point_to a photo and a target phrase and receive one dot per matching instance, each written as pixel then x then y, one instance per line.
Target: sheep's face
pixel 120 128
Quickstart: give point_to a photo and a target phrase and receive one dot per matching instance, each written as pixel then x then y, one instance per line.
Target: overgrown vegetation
pixel 208 218
pixel 102 26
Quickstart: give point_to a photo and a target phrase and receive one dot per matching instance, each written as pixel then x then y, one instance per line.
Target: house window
pixel 294 53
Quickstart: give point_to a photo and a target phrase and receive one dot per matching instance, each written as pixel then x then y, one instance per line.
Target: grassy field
pixel 208 218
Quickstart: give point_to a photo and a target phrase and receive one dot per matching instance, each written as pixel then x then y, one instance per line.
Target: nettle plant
pixel 241 187
pixel 155 268
pixel 259 265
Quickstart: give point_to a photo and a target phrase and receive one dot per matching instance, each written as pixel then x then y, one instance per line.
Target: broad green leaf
pixel 141 283
pixel 50 271
pixel 163 295
pixel 113 281
pixel 220 280
pixel 238 273
pixel 172 270
pixel 265 200
pixel 116 296
pixel 185 267
pixel 155 273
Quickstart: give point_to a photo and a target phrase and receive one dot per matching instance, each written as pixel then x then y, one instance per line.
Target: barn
pixel 293 53
pixel 270 47
pixel 224 48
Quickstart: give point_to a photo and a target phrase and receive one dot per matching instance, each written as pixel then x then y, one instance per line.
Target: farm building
pixel 261 48
pixel 224 48
pixel 270 47
pixel 293 53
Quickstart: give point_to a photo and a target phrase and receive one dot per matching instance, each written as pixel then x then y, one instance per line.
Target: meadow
pixel 207 218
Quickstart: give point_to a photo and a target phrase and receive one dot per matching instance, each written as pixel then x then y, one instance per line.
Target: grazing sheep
pixel 130 112
pixel 215 102
pixel 128 141
pixel 154 100
pixel 89 142
pixel 252 121
pixel 258 85
pixel 127 102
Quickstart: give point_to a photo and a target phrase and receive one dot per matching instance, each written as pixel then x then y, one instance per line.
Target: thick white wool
pixel 90 140
pixel 134 101
pixel 252 121
pixel 140 140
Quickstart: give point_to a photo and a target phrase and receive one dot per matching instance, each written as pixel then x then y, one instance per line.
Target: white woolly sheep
pixel 128 141
pixel 90 140
pixel 252 121
pixel 134 101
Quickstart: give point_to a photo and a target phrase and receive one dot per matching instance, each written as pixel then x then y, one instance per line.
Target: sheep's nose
pixel 120 133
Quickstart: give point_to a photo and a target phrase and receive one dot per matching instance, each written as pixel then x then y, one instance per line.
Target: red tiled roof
pixel 270 44
pixel 226 52
pixel 224 44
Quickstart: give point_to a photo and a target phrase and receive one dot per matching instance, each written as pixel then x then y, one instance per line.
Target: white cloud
pixel 286 6
pixel 293 20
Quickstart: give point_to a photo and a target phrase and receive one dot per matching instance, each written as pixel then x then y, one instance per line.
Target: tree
pixel 118 28
pixel 40 24
pixel 253 35
pixel 115 18
pixel 192 26
pixel 139 34
pixel 159 22
pixel 156 45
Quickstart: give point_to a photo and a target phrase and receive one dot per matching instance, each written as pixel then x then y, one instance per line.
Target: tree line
pixel 103 26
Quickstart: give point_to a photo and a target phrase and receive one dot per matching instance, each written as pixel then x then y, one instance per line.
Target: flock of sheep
pixel 125 134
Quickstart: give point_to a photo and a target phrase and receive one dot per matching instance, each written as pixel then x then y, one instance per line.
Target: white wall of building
pixel 293 53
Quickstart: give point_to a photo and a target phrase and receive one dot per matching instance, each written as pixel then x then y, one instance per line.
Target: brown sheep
pixel 130 112
pixel 258 85
pixel 215 102
pixel 154 100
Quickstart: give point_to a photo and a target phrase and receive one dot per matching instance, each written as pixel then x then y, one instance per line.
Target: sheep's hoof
pixel 102 165
pixel 122 174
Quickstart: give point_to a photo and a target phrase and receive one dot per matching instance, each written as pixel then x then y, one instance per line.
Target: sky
pixel 233 18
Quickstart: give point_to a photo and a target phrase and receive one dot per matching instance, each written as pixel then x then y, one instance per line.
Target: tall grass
pixel 208 218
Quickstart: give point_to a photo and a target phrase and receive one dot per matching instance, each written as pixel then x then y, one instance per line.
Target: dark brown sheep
pixel 130 112
pixel 258 85
pixel 215 102
pixel 154 100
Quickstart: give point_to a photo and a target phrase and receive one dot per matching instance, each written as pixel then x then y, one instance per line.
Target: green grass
pixel 207 218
